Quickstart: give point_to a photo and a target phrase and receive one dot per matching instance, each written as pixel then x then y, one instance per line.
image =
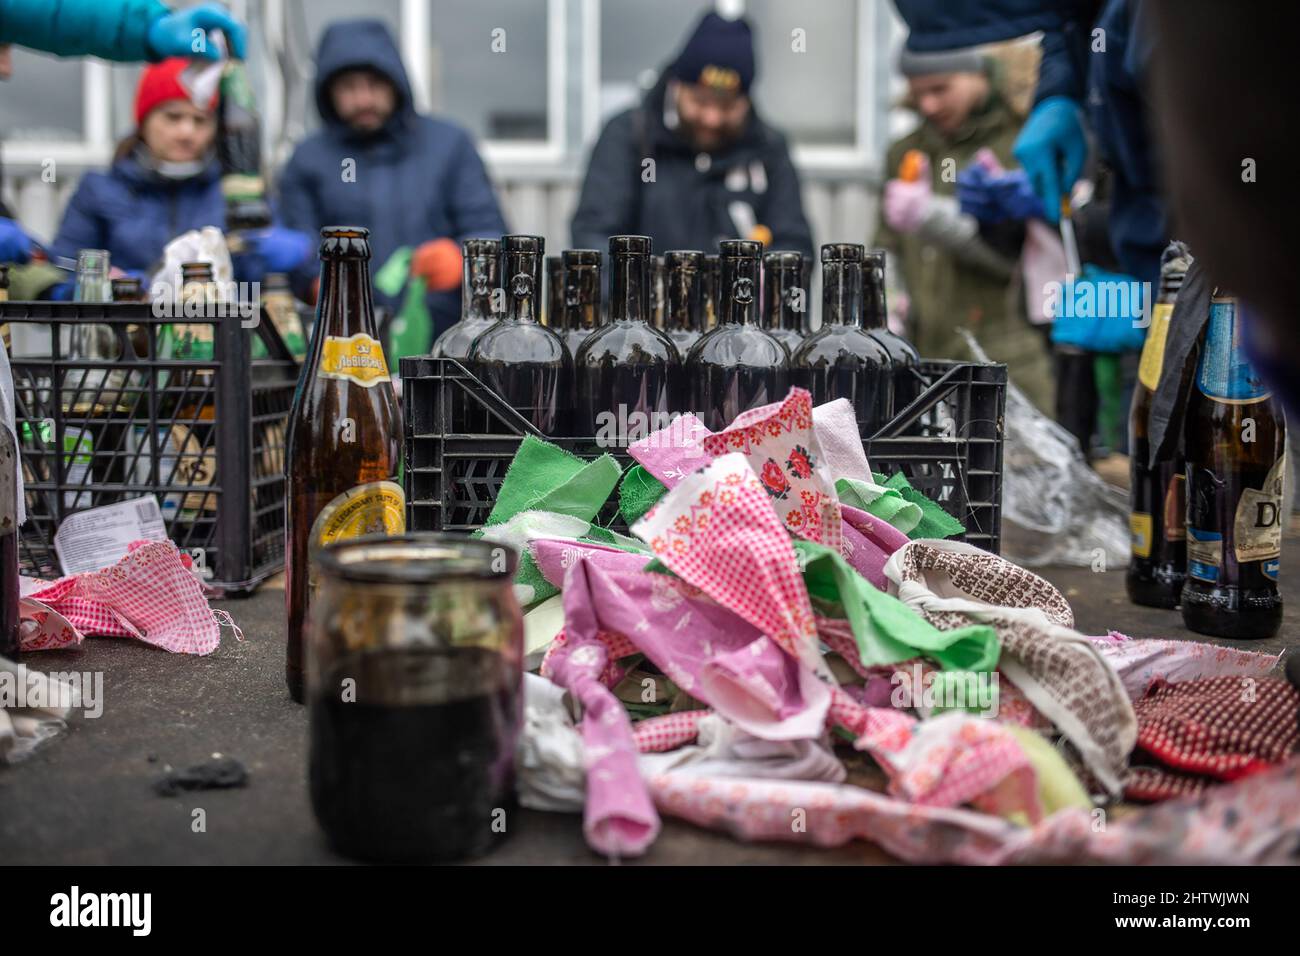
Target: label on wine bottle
pixel 377 507
pixel 1140 526
pixel 1204 554
pixel 1153 350
pixel 358 358
pixel 1257 526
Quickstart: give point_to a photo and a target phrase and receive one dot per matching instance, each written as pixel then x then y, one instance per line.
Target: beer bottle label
pixel 377 507
pixel 358 358
pixel 1204 555
pixel 1153 350
pixel 1225 374
pixel 1175 523
pixel 1140 529
pixel 1257 526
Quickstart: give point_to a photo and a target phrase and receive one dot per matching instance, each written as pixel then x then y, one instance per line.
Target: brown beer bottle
pixel 1158 536
pixel 1234 438
pixel 344 433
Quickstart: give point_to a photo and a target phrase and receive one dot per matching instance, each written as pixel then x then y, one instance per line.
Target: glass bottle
pixel 785 297
pixel 907 383
pixel 628 371
pixel 1234 437
pixel 712 266
pixel 657 293
pixel 684 298
pixel 239 154
pixel 479 283
pixel 580 306
pixel 842 359
pixel 736 365
pixel 1157 520
pixel 524 362
pixel 345 434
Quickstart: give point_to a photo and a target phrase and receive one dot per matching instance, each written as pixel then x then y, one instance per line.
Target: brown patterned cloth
pixel 1058 669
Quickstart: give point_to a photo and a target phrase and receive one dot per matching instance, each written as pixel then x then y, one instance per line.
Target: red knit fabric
pixel 1221 727
pixel 159 83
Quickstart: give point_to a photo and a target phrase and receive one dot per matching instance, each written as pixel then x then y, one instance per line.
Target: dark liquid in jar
pixel 416 768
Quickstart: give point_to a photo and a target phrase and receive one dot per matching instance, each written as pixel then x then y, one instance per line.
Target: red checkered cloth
pixel 667 732
pixel 149 595
pixel 1222 728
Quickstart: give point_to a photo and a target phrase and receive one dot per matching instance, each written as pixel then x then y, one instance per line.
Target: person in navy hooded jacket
pixel 412 180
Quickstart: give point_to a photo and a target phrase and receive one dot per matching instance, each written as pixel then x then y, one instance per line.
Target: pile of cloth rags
pixel 788 646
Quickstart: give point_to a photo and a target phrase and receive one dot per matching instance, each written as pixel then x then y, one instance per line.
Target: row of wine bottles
pixel 589 362
pixel 1206 510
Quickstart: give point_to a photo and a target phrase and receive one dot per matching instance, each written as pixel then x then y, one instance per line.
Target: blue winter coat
pixel 133 212
pixel 416 179
pixel 113 29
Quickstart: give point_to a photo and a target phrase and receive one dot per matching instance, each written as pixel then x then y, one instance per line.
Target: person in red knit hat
pixel 164 181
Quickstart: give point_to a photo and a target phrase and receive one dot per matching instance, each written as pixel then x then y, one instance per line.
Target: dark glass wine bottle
pixel 684 298
pixel 480 281
pixel 709 285
pixel 785 297
pixel 658 298
pixel 628 371
pixel 842 359
pixel 580 308
pixel 520 359
pixel 907 383
pixel 736 365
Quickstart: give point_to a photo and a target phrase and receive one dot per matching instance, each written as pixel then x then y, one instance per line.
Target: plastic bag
pixel 1055 508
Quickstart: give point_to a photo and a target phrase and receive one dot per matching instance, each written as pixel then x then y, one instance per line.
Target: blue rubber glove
pixel 1052 149
pixel 174 34
pixel 1101 312
pixel 282 250
pixel 15 245
pixel 993 198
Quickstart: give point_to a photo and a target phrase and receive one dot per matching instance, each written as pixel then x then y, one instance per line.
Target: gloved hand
pixel 281 250
pixel 996 197
pixel 1101 312
pixel 1052 149
pixel 438 262
pixel 173 34
pixel 906 204
pixel 15 245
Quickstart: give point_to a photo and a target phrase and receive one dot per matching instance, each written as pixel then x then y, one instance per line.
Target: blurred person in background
pixel 959 272
pixel 165 180
pixel 412 180
pixel 719 171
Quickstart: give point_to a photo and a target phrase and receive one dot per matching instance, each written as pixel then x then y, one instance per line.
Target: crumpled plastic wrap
pixel 1055 508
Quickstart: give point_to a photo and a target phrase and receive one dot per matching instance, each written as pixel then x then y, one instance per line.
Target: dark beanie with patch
pixel 719 55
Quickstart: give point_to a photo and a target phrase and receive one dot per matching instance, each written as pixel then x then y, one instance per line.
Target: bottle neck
pixel 842 293
pixel 630 288
pixel 346 308
pixel 581 297
pixel 1169 286
pixel 738 281
pixel 784 300
pixel 523 285
pixel 684 309
pixel 479 284
pixel 875 314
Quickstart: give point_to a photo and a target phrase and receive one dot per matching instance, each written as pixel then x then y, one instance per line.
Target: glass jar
pixel 415 686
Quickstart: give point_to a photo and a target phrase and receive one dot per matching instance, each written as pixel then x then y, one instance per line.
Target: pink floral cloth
pixel 1140 662
pixel 781 446
pixel 719 531
pixel 149 595
pixel 667 732
pixel 672 453
pixel 868 542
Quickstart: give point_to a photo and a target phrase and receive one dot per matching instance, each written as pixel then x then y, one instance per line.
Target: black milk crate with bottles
pixel 460 438
pixel 205 437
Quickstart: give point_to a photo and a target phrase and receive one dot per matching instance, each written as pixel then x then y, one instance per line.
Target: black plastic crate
pixel 218 474
pixel 460 438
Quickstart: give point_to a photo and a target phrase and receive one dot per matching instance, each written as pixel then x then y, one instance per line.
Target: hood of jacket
pixel 360 44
